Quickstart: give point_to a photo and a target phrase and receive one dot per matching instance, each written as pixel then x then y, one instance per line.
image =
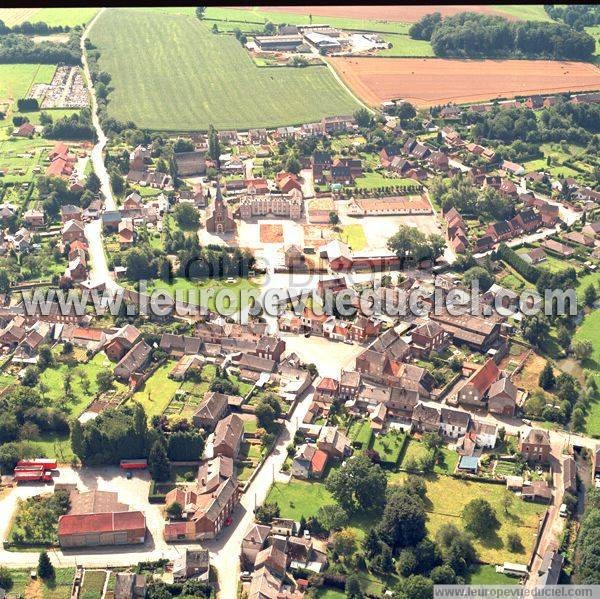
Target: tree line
pixel 472 35
pixel 17 48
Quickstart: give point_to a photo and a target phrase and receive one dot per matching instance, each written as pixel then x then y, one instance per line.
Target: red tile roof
pixel 485 376
pixel 327 384
pixel 99 523
pixel 319 461
pixel 90 334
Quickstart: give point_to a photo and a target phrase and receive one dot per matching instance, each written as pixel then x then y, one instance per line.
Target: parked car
pixel 562 512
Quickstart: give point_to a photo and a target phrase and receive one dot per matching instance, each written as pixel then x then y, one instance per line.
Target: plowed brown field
pixel 403 14
pixel 432 81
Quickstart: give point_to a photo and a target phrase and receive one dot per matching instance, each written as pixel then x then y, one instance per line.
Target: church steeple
pixel 218 195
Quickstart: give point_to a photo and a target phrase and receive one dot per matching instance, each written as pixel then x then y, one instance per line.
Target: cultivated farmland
pixel 410 14
pixel 196 78
pixel 375 80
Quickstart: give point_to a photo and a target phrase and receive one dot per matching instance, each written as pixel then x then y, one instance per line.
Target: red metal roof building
pixel 108 528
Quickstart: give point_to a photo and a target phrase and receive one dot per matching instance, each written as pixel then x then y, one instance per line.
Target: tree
pixel 479 517
pixel 293 165
pixel 563 336
pixel 332 517
pixel 45 569
pixel 158 463
pixel 214 146
pixel 370 544
pixel 104 379
pixel 484 278
pixel 77 438
pixel 514 542
pixel 443 575
pixel 535 329
pixel 266 512
pixel 363 117
pixel 383 562
pixel 334 219
pixel 31 376
pixel 417 587
pixel 546 379
pixel 353 588
pixel 6 579
pixel 267 410
pixel 406 564
pixel 403 521
pixel 200 12
pixel 187 217
pixel 358 485
pixel 507 500
pixel 344 543
pixel 4 281
pixel 412 243
pixel 92 182
pixel 590 295
pixel 175 510
pixel 582 348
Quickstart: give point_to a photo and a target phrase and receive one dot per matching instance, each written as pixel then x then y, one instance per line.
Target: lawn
pixel 59 588
pixel 52 382
pixel 51 16
pixel 389 446
pixel 584 281
pixel 242 291
pixel 590 330
pixel 353 236
pixel 156 393
pixel 524 12
pixel 52 445
pixel 210 68
pixel 488 575
pixel 360 432
pixel 324 593
pixel 415 450
pixel 403 45
pixel 374 180
pixel 446 498
pixel 93 584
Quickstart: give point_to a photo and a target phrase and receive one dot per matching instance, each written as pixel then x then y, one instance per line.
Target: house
pixel 133 362
pixel 195 197
pixel 73 231
pixel 579 238
pixel 566 251
pixel 429 337
pixel 453 423
pixel 228 436
pixel 191 563
pixel 486 434
pixel 425 419
pixel 129 585
pixel 538 491
pixel 534 446
pixel 98 518
pixel 294 258
pixel 338 254
pixel 334 443
pixel 327 390
pixel 500 231
pixel 473 331
pixel 392 345
pixel 569 470
pixel 349 385
pixel 438 160
pixel 207 506
pixel 180 345
pixel 526 221
pixel 121 342
pixel 502 397
pixel 550 568
pixel 254 541
pixel 213 407
pixel 190 164
pixel 185 365
pixel 24 130
pixel 309 462
pixel 125 233
pixel 288 205
pixel 34 217
pixel 534 256
pixel 475 389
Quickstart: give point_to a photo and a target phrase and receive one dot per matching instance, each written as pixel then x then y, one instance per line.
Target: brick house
pixel 534 446
pixel 502 397
pixel 133 362
pixel 229 433
pixel 474 391
pixel 213 407
pixel 429 337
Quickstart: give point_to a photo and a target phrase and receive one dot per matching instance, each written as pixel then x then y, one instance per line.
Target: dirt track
pixel 431 81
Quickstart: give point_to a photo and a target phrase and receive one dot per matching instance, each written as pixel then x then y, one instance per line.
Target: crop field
pixel 51 16
pixel 410 14
pixel 197 78
pixel 375 80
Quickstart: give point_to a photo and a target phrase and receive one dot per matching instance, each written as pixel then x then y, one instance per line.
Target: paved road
pixel 97 155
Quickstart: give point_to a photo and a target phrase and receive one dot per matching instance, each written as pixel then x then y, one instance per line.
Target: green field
pixel 375 180
pixel 524 12
pixel 590 330
pixel 197 78
pixel 70 17
pixel 403 45
pixel 59 588
pixel 156 393
pixel 16 79
pixel 354 236
pixel 93 584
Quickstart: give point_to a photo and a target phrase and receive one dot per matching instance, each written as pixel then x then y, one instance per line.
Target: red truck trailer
pixel 43 462
pixel 30 474
pixel 140 464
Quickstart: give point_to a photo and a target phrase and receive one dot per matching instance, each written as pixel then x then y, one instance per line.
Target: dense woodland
pixel 471 35
pixel 17 48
